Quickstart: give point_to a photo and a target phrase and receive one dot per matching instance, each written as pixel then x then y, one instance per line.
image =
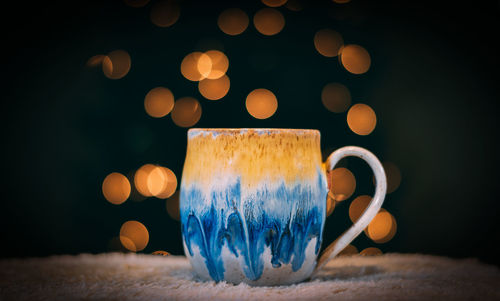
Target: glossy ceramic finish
pixel 253 204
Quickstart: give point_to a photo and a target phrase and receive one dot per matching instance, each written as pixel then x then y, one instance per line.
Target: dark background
pixel 433 83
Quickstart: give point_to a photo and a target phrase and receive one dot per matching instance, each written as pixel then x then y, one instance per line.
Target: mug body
pixel 253 204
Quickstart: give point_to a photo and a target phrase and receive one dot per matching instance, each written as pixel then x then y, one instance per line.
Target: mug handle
pixel 370 212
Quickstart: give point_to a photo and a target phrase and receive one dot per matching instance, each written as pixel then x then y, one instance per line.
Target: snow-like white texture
pixel 116 276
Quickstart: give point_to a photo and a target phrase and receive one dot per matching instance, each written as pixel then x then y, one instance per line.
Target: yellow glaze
pixel 255 155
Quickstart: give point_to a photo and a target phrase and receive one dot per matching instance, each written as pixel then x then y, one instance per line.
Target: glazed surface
pixel 253 203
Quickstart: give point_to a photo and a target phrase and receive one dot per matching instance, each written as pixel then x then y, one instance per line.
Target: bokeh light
pixel 141 179
pixel 328 42
pixel 268 21
pixel 161 253
pixel 349 250
pixel 274 3
pixel 214 89
pixel 204 65
pixel 261 103
pixel 116 64
pixel 355 59
pixel 358 206
pixel 336 97
pixel 233 21
pixel 170 185
pixel 165 13
pixel 159 102
pixel 371 251
pixel 342 183
pixel 186 112
pixel 218 62
pixel 155 180
pixel 382 228
pixel 95 61
pixel 134 236
pixel 136 3
pixel 116 188
pixel 189 66
pixel 361 119
pixel 330 205
pixel 173 206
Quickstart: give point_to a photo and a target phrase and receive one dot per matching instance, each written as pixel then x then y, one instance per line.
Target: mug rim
pixel 211 130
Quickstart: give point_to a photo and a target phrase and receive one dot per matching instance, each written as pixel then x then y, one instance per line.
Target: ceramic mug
pixel 253 204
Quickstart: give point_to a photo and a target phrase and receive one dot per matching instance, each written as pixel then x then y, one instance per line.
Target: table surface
pixel 118 276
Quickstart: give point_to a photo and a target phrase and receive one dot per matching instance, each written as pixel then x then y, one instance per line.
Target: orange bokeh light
pixel 328 42
pixel 355 59
pixel 159 102
pixel 330 205
pixel 342 183
pixel 165 13
pixel 349 250
pixel 95 61
pixel 361 119
pixel 233 21
pixel 274 3
pixel 268 21
pixel 336 97
pixel 214 89
pixel 219 64
pixel 186 112
pixel 134 236
pixel 358 206
pixel 116 188
pixel 382 228
pixel 189 66
pixel 154 180
pixel 372 251
pixel 116 64
pixel 261 103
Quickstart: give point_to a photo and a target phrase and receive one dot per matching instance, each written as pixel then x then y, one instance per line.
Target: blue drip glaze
pixel 286 232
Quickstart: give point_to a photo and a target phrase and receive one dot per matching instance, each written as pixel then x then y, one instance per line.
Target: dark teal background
pixel 433 84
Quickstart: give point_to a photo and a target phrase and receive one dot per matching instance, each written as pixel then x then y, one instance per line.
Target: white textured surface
pixel 117 276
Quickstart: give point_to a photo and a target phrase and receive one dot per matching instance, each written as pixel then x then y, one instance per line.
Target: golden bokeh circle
pixel 134 236
pixel 170 185
pixel 95 60
pixel 328 42
pixel 261 103
pixel 116 188
pixel 189 66
pixel 393 175
pixel 349 250
pixel 116 64
pixel 274 3
pixel 186 112
pixel 159 102
pixel 233 21
pixel 214 89
pixel 361 119
pixel 343 183
pixel 268 21
pixel 330 206
pixel 371 251
pixel 336 97
pixel 165 13
pixel 219 64
pixel 358 206
pixel 382 228
pixel 355 59
pixel 141 179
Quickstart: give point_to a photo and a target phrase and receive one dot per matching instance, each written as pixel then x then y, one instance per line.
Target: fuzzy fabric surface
pixel 118 276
